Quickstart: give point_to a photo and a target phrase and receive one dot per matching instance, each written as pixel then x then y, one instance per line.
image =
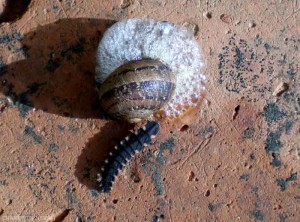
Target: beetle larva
pixel 136 90
pixel 124 152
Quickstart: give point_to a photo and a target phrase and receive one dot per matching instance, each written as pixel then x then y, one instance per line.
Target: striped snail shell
pixel 137 89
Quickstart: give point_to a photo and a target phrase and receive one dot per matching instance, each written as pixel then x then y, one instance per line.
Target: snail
pixel 145 66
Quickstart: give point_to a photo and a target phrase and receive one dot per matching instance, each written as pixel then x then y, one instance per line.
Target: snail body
pixel 137 89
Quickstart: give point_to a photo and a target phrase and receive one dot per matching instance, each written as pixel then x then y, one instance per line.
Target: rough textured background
pixel 234 158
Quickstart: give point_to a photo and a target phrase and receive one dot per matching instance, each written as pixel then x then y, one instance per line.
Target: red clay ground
pixel 234 158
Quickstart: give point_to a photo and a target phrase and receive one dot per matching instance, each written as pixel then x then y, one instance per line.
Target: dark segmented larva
pixel 123 153
pixel 137 89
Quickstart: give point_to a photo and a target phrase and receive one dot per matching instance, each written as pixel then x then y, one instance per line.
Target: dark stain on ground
pixel 158 181
pixel 54 63
pixel 248 133
pixel 24 109
pixel 252 156
pixel 273 113
pixel 3 183
pixel 292 70
pixel 53 147
pixel 37 193
pixel 205 131
pixel 283 217
pixel 23 103
pixel 282 183
pixel 258 215
pixel 3 71
pixel 288 126
pixel 212 207
pixel 94 193
pixel 245 177
pixel 110 207
pixel 255 191
pixel 236 69
pixel 71 197
pixel 61 128
pixel 167 145
pixel 73 128
pixel 9 39
pixel 155 168
pixel 276 162
pixel 30 132
pixel 273 142
pixel 155 219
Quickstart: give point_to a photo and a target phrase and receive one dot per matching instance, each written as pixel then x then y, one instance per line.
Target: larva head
pixel 137 89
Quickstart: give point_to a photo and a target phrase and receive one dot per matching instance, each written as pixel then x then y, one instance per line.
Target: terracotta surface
pixel 234 158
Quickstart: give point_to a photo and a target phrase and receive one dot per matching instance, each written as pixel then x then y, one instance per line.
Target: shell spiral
pixel 172 45
pixel 136 90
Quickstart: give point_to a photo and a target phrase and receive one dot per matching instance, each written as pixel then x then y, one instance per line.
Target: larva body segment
pixel 124 152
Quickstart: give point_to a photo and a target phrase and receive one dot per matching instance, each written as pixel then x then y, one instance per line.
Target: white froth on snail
pixel 147 39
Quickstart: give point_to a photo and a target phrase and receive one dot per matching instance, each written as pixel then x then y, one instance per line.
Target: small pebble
pixel 78 219
pixel 46 11
pixel 191 27
pixel 9 201
pixel 125 4
pixel 135 176
pixel 29 123
pixel 1 211
pixel 3 106
pixel 60 216
pixel 156 153
pixel 238 22
pixel 280 89
pixel 251 24
pixel 207 15
pixel 225 18
pixel 191 176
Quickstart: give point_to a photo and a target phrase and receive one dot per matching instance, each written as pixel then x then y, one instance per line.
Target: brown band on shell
pixel 148 90
pixel 137 71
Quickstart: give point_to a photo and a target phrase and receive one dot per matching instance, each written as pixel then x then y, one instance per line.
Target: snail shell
pixel 137 89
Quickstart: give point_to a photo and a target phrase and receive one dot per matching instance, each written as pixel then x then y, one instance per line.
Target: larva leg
pixel 124 152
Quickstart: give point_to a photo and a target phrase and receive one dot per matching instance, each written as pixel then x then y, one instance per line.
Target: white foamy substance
pixel 134 39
